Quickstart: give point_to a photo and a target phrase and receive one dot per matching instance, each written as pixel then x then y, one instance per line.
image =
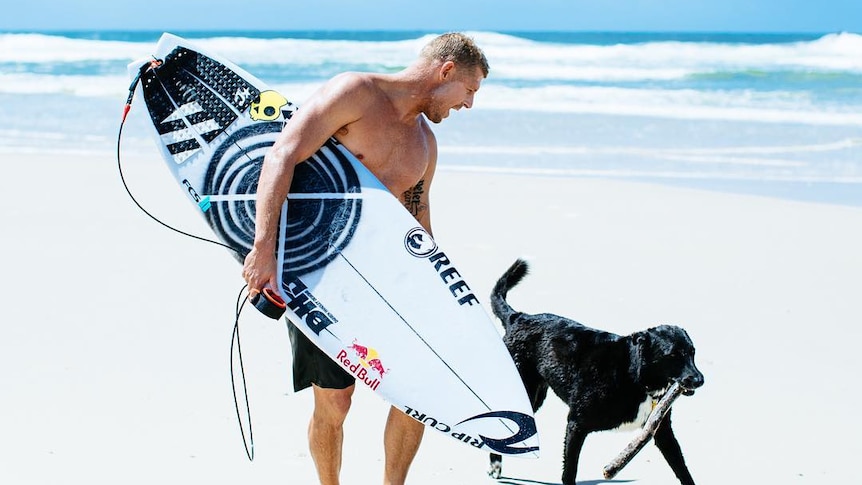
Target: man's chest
pixel 397 156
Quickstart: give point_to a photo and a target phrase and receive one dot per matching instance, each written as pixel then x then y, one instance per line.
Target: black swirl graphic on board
pixel 322 213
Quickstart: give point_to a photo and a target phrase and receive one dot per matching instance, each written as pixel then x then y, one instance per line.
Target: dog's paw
pixel 495 471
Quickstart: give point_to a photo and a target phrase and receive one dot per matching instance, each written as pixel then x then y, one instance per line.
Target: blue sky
pixel 583 15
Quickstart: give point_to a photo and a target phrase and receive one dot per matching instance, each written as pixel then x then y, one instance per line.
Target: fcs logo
pixel 419 243
pixel 267 106
pixel 204 203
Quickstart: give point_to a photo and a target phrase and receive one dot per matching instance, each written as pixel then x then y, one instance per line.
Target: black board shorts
pixel 312 366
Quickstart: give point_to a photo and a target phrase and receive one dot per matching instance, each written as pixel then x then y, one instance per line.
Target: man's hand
pixel 259 271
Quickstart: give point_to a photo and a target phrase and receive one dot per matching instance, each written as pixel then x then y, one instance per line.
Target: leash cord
pixel 126 109
pixel 248 444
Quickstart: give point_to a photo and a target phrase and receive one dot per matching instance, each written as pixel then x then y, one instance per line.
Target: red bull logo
pixel 360 350
pixel 368 364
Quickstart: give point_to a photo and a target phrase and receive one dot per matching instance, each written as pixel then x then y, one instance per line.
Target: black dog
pixel 608 381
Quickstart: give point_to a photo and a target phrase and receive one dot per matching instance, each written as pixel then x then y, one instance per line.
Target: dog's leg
pixel 538 395
pixel 496 468
pixel 669 447
pixel 574 442
pixel 537 391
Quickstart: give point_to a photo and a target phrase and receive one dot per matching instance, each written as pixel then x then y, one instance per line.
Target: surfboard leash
pixel 248 442
pixel 155 63
pixel 268 301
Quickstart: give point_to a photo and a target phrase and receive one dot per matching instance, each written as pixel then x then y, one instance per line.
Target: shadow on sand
pixel 524 481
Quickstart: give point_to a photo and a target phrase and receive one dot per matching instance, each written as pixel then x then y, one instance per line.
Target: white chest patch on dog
pixel 644 410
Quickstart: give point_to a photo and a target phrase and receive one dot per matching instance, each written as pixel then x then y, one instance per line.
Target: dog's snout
pixel 692 381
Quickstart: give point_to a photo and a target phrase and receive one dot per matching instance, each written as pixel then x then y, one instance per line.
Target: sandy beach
pixel 116 352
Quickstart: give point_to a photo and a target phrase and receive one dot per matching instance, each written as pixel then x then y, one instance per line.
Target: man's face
pixel 457 90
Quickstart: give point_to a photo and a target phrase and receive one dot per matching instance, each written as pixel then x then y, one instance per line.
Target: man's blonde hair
pixel 458 48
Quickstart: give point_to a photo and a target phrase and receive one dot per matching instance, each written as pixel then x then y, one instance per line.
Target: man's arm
pixel 333 106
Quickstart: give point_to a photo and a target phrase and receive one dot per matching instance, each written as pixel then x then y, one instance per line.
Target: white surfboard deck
pixel 361 279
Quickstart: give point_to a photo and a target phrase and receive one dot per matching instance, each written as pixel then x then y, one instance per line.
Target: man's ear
pixel 447 69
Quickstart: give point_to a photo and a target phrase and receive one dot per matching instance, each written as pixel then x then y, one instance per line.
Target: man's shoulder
pixel 355 81
pixel 355 87
pixel 350 93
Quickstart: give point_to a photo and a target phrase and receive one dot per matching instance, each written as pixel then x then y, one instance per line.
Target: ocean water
pixel 771 114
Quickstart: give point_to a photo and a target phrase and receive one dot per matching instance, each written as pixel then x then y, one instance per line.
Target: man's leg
pixel 400 442
pixel 326 432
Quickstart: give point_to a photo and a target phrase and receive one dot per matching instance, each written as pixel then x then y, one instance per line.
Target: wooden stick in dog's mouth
pixel 647 432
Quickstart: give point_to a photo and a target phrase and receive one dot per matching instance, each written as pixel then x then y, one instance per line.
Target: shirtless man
pixel 380 118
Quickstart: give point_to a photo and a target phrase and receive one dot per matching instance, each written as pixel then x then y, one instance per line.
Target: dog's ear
pixel 639 346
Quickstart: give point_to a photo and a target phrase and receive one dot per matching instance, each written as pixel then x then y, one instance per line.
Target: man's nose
pixel 468 103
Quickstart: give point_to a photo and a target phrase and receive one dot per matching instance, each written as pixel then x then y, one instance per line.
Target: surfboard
pixel 359 276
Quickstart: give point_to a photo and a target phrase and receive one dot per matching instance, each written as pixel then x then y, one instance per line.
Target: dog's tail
pixel 510 278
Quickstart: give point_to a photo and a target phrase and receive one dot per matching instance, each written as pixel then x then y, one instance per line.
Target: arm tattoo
pixel 412 199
